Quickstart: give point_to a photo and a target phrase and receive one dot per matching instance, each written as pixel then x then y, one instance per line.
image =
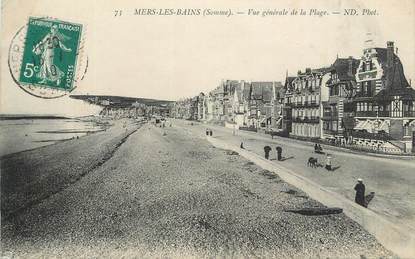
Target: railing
pixel 409 113
pixel 314 120
pixel 330 132
pixel 366 114
pixel 328 117
pixel 384 113
pixel 249 129
pixel 306 119
pixel 367 135
pixel 313 104
pixel 306 104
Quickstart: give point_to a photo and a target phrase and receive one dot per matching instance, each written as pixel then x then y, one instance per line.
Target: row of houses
pixel 366 101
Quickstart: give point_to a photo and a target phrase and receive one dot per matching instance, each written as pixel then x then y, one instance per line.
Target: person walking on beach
pixel 267 149
pixel 328 162
pixel 279 153
pixel 360 193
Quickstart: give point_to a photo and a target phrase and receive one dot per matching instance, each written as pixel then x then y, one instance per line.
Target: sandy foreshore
pixel 169 193
pixel 30 176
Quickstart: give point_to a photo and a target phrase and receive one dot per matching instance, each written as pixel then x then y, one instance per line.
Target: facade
pixel 287 106
pixel 277 103
pixel 308 90
pixel 384 100
pixel 337 118
pixel 366 102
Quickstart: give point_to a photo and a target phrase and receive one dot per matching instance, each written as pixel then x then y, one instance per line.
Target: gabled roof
pixel 262 91
pixel 238 92
pixel 398 77
pixel 288 82
pixel 246 93
pixel 341 68
pixel 406 93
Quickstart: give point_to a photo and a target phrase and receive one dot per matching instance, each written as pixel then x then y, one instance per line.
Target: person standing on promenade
pixel 328 162
pixel 267 149
pixel 279 153
pixel 360 193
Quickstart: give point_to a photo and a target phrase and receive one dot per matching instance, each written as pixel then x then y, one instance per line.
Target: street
pixel 168 192
pixel 392 179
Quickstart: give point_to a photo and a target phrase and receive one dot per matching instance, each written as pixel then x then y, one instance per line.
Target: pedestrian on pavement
pixel 242 145
pixel 316 148
pixel 328 162
pixel 207 132
pixel 267 149
pixel 210 133
pixel 360 193
pixel 279 153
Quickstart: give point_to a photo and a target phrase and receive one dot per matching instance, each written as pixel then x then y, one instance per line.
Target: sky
pixel 170 57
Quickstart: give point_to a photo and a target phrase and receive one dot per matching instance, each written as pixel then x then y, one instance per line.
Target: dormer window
pixel 368 65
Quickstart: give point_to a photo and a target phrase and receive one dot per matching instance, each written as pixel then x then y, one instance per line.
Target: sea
pixel 28 133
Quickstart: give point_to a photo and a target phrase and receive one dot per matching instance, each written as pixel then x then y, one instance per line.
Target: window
pixel 368 65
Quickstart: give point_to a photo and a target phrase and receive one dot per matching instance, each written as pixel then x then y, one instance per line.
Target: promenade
pixel 391 178
pixel 167 192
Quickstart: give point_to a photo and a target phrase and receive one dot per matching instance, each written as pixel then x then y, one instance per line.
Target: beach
pixel 162 192
pixel 30 176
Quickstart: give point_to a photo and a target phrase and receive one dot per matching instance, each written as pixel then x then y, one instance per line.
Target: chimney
pixel 390 52
pixel 350 66
pixel 308 70
pixel 389 63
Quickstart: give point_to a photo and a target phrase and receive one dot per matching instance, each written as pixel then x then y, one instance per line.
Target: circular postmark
pixel 46 57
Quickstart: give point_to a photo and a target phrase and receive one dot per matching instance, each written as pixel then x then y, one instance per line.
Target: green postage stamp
pixel 49 59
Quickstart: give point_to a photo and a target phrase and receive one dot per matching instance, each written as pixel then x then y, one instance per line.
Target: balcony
pixel 306 104
pixel 330 132
pixel 384 113
pixel 312 104
pixel 298 104
pixel 366 114
pixel 373 114
pixel 306 119
pixel 329 117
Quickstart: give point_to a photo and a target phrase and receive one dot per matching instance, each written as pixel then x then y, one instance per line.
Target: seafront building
pixel 308 89
pixel 364 102
pixel 337 118
pixel 384 101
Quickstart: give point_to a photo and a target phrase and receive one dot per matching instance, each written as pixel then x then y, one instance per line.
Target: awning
pixel 364 125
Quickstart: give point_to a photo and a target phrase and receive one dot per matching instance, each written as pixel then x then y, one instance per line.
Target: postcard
pixel 207 129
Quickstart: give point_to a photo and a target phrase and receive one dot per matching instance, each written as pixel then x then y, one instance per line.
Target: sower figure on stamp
pixel 267 149
pixel 360 193
pixel 46 48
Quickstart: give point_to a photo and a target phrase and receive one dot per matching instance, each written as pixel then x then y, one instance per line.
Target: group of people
pixel 209 132
pixel 267 150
